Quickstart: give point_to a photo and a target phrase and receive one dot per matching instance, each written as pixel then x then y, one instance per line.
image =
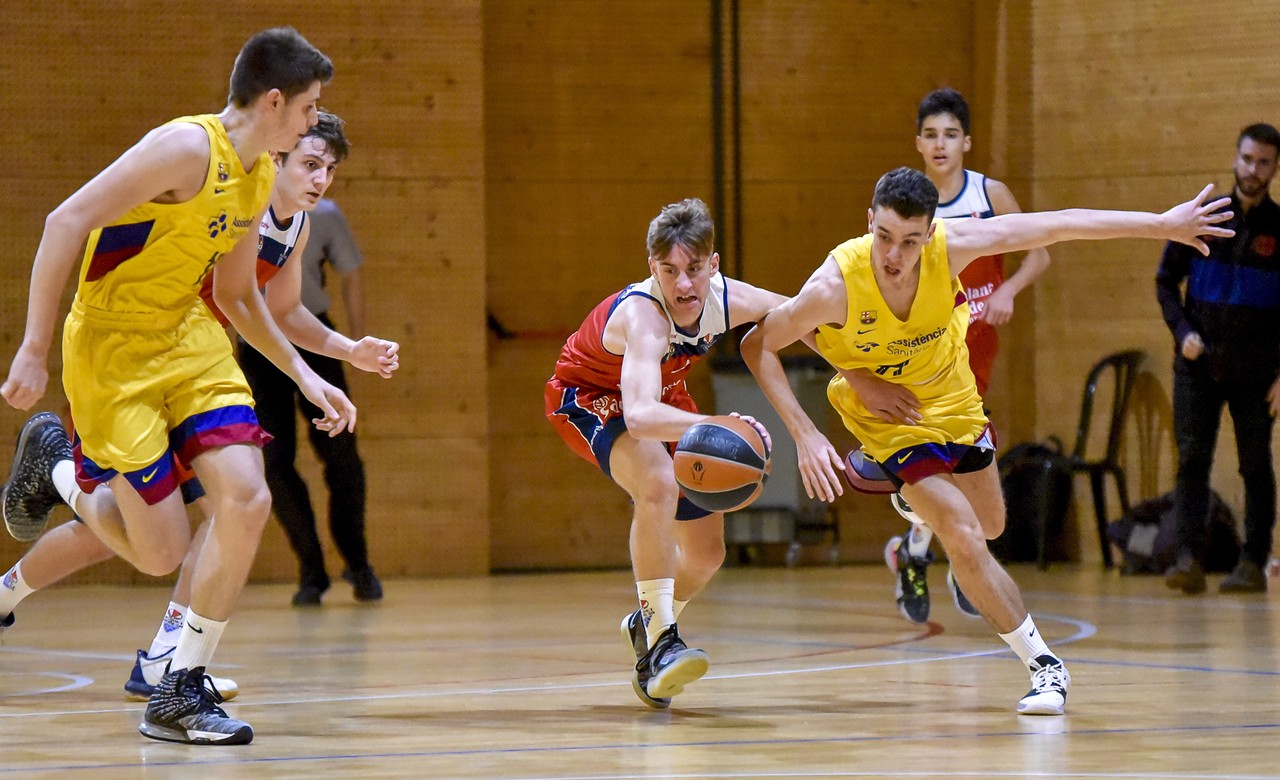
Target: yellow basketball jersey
pixel 152 260
pixel 926 352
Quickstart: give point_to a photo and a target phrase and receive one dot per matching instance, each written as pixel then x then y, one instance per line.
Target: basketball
pixel 721 464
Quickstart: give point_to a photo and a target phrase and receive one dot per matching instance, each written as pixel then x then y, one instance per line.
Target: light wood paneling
pixel 86 80
pixel 1141 120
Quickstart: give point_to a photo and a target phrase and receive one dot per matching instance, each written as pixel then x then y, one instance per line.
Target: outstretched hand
pixel 1189 221
pixel 377 356
pixel 339 412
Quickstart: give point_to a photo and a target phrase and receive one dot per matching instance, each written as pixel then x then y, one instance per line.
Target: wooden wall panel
pixel 83 81
pixel 1135 106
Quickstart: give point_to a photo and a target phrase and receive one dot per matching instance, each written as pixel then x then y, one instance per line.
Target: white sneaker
pixel 148 671
pixel 1049 683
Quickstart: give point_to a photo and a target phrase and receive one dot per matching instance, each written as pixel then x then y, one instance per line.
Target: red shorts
pixel 590 421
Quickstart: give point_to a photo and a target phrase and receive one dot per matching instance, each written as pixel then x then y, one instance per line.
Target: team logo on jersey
pixel 222 172
pixel 218 225
pixel 1264 246
pixel 869 317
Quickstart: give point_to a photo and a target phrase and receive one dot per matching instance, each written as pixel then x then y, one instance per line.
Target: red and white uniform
pixel 584 397
pixel 979 279
pixel 275 244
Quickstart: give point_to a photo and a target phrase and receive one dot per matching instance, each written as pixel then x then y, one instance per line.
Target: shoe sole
pixel 1043 710
pixel 641 693
pixel 1242 589
pixel 137 693
pixel 671 680
pixel 241 736
pixel 24 532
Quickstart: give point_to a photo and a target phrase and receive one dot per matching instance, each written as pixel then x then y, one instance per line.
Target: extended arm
pixel 169 164
pixel 236 293
pixel 644 329
pixel 821 301
pixel 1186 223
pixel 1034 263
pixel 305 330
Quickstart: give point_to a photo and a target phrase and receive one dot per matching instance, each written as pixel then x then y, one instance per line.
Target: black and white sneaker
pixel 185 709
pixel 670 665
pixel 29 496
pixel 1049 683
pixel 634 634
pixel 962 601
pixel 911 580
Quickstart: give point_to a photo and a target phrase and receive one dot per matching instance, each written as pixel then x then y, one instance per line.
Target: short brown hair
pixel 687 224
pixel 278 58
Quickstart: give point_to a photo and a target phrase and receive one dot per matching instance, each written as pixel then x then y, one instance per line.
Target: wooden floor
pixel 814 674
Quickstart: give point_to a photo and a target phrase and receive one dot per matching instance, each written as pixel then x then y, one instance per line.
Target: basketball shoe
pixel 148 671
pixel 29 495
pixel 912 586
pixel 670 665
pixel 1049 683
pixel 634 635
pixel 185 708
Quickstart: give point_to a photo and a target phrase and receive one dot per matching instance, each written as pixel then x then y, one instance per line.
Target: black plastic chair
pixel 1123 367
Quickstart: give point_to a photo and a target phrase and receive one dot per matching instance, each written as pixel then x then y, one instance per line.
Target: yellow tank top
pixel 152 260
pixel 926 352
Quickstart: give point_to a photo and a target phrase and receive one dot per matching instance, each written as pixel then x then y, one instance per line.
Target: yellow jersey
pixel 148 265
pixel 925 353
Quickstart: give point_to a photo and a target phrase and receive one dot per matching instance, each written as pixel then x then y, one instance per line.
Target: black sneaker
pixel 912 586
pixel 962 601
pixel 364 584
pixel 29 496
pixel 310 589
pixel 185 708
pixel 1049 683
pixel 634 634
pixel 670 665
pixel 1246 577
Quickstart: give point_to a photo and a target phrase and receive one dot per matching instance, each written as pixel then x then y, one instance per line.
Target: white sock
pixel 167 635
pixel 198 641
pixel 657 605
pixel 677 607
pixel 64 481
pixel 918 540
pixel 1027 642
pixel 13 589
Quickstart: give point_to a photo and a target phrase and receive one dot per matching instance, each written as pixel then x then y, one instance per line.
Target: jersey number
pixel 892 370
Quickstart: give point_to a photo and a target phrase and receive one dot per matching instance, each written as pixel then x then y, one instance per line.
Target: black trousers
pixel 1197 409
pixel 278 402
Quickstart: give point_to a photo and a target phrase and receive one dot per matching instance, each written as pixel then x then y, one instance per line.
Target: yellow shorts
pixel 136 381
pixel 950 414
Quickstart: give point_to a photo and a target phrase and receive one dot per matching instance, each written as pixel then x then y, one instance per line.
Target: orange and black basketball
pixel 721 464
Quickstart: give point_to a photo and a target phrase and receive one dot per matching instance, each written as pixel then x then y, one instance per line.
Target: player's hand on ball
pixel 754 423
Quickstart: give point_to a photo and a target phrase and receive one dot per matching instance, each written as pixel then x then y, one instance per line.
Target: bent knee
pixel 162 561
